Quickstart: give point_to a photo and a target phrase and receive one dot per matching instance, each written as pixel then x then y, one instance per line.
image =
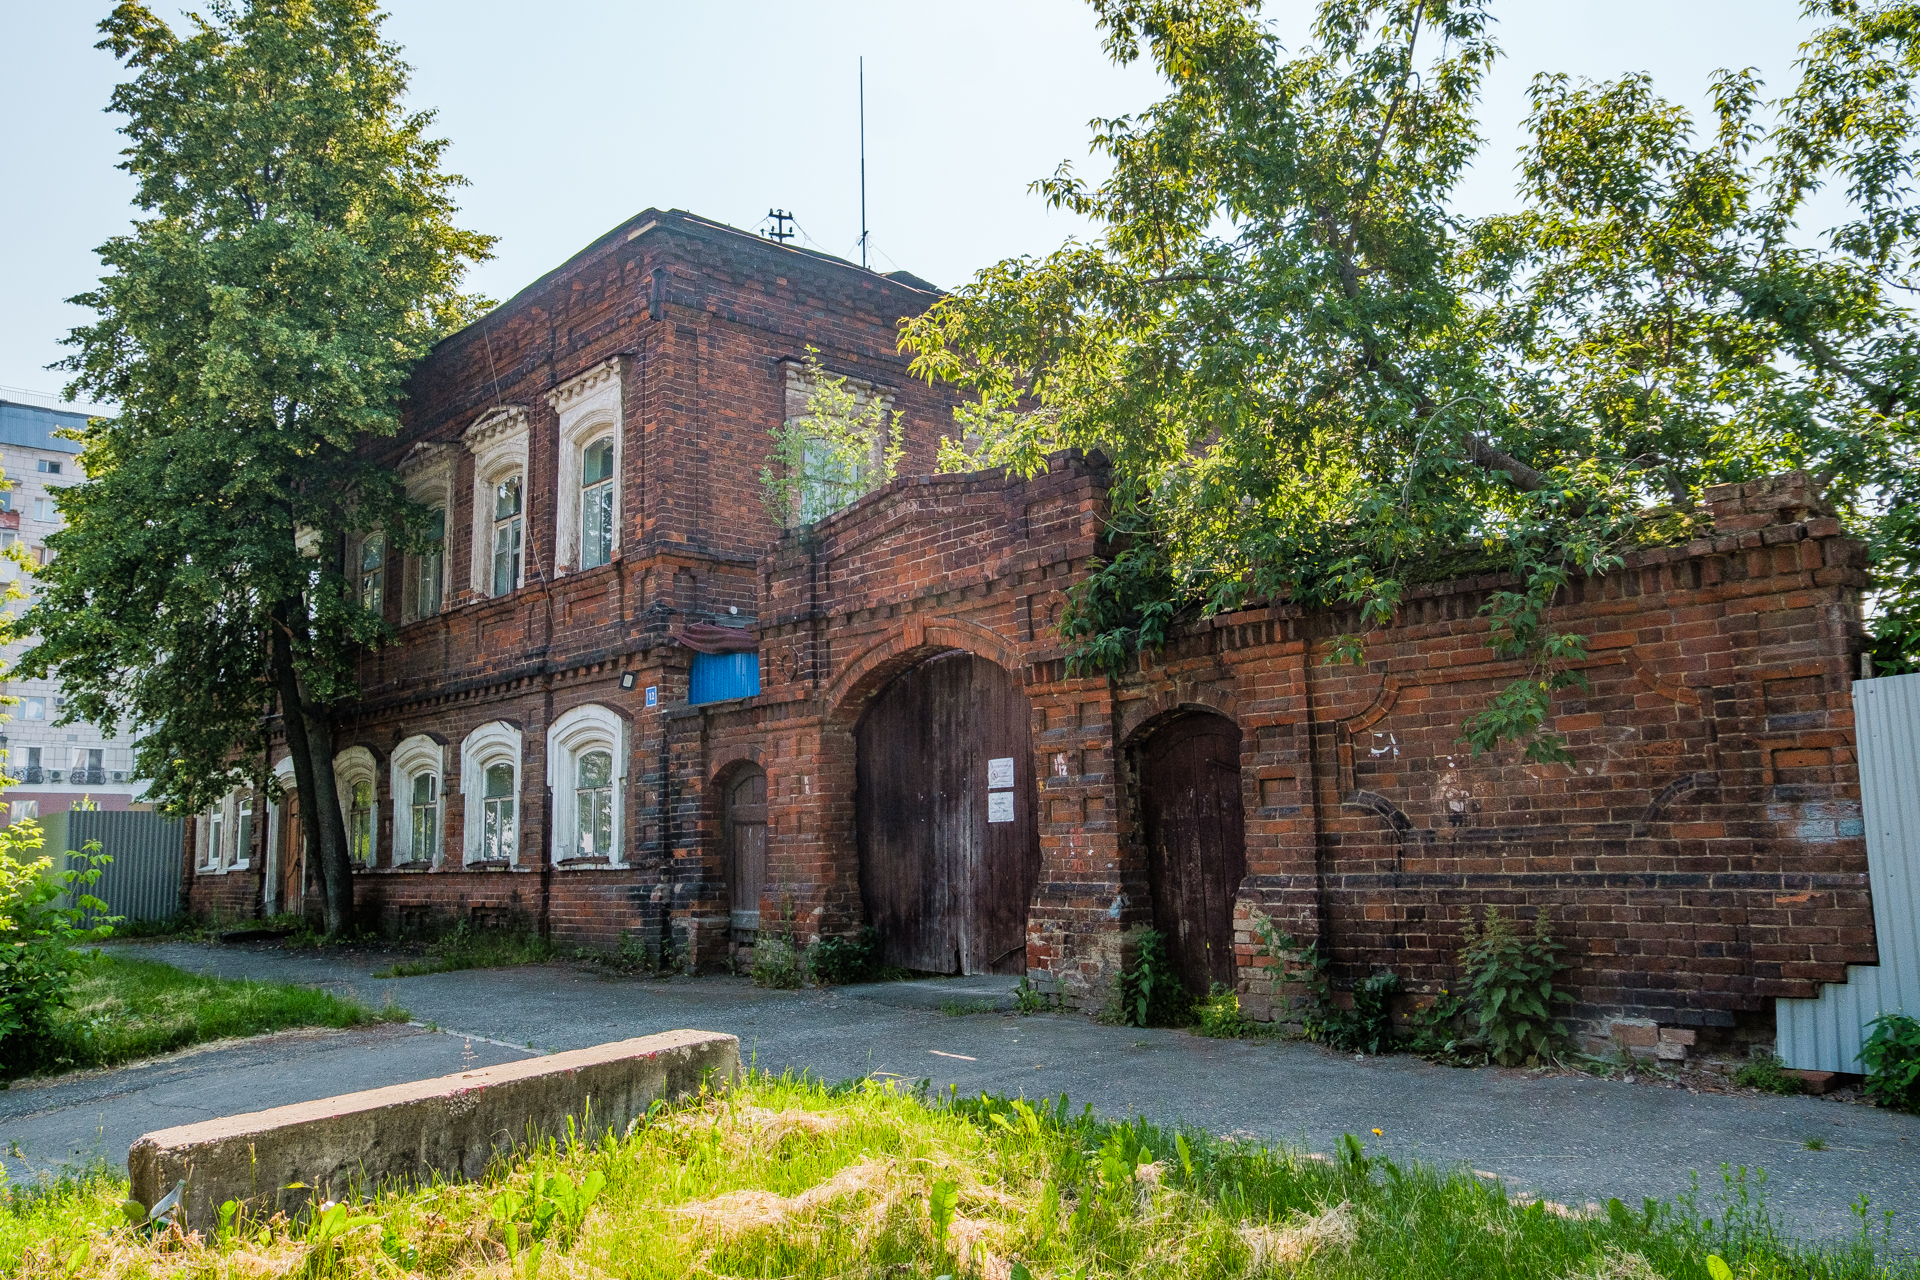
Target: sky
pixel 569 116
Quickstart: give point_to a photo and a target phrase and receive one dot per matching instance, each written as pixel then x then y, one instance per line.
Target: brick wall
pixel 1702 855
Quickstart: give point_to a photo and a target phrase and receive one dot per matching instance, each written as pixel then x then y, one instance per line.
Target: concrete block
pixel 1679 1035
pixel 1670 1051
pixel 449 1127
pixel 1816 1081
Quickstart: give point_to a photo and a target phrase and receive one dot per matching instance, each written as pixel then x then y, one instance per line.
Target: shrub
pixel 38 964
pixel 776 962
pixel 1769 1075
pixel 1510 985
pixel 1891 1056
pixel 838 961
pixel 1365 1028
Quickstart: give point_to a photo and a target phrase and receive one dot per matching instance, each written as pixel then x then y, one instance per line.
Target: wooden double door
pixel 949 842
pixel 1195 828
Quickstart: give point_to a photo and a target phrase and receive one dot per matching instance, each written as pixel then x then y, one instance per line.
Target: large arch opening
pixel 1194 825
pixel 944 800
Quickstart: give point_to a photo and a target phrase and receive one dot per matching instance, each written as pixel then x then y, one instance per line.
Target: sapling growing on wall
pixel 844 446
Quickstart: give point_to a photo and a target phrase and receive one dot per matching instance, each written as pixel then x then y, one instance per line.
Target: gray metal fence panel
pixel 1825 1033
pixel 143 880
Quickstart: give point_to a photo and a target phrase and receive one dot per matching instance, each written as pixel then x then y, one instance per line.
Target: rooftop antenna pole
pixel 863 162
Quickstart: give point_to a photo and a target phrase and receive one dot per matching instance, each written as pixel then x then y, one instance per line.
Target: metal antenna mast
pixel 863 162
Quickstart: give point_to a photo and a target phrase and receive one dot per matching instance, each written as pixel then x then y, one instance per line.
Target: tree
pixel 842 447
pixel 255 329
pixel 1317 381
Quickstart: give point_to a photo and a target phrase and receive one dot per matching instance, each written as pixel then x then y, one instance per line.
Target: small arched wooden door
pixel 944 808
pixel 1196 843
pixel 744 822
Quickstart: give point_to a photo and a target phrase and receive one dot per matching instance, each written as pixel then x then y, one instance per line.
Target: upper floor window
pixel 433 566
pixel 43 509
pixel 596 504
pixel 587 486
pixel 49 468
pixel 33 709
pixel 507 533
pixel 373 571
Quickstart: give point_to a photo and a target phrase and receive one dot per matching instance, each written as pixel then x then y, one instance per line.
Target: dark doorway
pixel 949 844
pixel 1196 842
pixel 744 823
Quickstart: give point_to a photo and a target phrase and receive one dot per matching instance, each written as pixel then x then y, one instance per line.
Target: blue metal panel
pixel 717 676
pixel 32 427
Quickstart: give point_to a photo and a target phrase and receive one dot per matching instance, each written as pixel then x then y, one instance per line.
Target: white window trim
pixel 494 743
pixel 356 764
pixel 583 729
pixel 284 784
pixel 207 857
pixel 412 756
pixel 498 443
pixel 428 473
pixel 589 407
pixel 239 857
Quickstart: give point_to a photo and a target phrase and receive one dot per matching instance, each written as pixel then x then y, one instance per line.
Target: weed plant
pixel 123 1008
pixel 777 963
pixel 786 1177
pixel 1891 1056
pixel 1149 993
pixel 468 947
pixel 1767 1074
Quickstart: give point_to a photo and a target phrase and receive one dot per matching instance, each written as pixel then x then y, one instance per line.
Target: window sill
pixel 589 864
pixel 486 864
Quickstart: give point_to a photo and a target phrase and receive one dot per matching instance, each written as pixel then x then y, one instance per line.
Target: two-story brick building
pixel 629 709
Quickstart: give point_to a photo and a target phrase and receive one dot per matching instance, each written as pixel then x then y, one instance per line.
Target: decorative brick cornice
pixel 496 424
pixel 578 388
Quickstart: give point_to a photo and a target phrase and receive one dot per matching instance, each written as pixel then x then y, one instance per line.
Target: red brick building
pixel 668 723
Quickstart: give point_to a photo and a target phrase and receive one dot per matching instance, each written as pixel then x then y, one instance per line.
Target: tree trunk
pixel 310 741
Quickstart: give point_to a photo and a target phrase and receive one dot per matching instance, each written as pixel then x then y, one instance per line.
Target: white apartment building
pixel 52 764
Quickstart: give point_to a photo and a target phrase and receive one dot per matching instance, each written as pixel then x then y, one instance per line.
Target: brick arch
pixel 1151 713
pixel 863 677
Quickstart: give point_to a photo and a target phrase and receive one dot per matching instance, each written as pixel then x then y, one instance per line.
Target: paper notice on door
pixel 999 806
pixel 1000 773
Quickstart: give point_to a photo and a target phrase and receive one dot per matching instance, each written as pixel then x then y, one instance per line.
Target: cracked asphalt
pixel 1572 1139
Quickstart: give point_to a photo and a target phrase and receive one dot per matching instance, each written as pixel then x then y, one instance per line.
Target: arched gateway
pixel 944 807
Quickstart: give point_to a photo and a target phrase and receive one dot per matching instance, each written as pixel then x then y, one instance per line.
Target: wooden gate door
pixel 1196 843
pixel 945 875
pixel 292 885
pixel 746 843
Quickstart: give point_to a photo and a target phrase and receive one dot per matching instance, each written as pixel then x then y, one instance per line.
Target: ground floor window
pixel 496 822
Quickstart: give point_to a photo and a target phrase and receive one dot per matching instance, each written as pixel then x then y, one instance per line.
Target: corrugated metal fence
pixel 143 880
pixel 1825 1033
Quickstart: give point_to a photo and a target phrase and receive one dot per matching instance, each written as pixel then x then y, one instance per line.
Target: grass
pixel 125 1008
pixel 785 1177
pixel 466 948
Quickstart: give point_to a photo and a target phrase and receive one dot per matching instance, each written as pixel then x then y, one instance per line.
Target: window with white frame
pixel 210 847
pixel 355 779
pixel 588 486
pixel 416 769
pixel 242 853
pixel 587 771
pixel 373 571
pixel 596 504
pixel 498 443
pixel 431 574
pixel 509 531
pixel 490 790
pixel 23 810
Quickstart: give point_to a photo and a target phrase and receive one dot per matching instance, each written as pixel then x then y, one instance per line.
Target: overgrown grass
pixel 125 1008
pixel 780 1177
pixel 466 948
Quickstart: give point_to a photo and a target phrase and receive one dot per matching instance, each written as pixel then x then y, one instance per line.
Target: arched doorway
pixel 944 809
pixel 743 826
pixel 1195 828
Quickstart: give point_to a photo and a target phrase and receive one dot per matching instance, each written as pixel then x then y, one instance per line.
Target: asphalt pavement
pixel 1571 1138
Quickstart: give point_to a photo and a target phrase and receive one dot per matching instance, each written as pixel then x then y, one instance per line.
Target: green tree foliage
pixel 1318 381
pixel 843 447
pixel 297 257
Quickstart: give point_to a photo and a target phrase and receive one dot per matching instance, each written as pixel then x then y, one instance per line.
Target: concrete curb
pixel 450 1127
